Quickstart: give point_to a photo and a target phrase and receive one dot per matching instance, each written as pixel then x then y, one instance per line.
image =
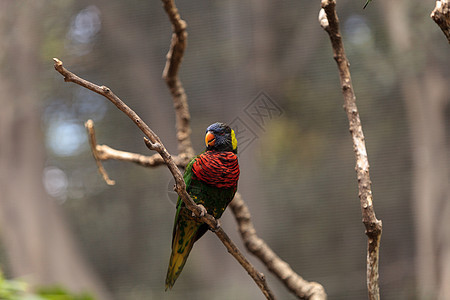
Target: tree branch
pixel 104 152
pixel 259 278
pixel 255 245
pixel 170 74
pixel 153 142
pixel 97 156
pixel 441 15
pixel 329 21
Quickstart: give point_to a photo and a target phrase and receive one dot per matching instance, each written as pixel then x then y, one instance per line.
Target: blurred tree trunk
pixel 37 240
pixel 426 96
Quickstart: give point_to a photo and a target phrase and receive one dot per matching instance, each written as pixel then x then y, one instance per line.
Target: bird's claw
pixel 202 212
pixel 215 228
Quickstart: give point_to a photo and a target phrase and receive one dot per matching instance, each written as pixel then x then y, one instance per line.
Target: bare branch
pixel 93 142
pixel 255 245
pixel 259 278
pixel 170 74
pixel 105 152
pixel 154 143
pixel 330 23
pixel 441 15
pixel 107 93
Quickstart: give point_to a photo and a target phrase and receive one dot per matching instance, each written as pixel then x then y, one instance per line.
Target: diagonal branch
pixel 153 142
pixel 441 15
pixel 329 21
pixel 255 245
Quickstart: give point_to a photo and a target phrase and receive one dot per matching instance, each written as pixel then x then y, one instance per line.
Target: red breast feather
pixel 219 169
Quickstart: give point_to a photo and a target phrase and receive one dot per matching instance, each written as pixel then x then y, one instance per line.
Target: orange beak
pixel 210 139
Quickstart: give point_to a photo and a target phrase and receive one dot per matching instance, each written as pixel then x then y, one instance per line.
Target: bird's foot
pixel 202 212
pixel 215 228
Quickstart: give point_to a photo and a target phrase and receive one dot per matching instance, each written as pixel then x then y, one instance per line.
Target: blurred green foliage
pixel 15 289
pixel 12 289
pixel 59 293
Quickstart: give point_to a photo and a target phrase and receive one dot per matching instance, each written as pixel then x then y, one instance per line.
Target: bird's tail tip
pixel 182 243
pixel 170 281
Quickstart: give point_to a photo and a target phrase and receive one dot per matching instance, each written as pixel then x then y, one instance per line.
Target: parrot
pixel 211 180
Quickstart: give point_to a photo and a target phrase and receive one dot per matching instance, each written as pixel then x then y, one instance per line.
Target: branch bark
pixel 104 152
pixel 330 23
pixel 153 142
pixel 98 160
pixel 255 245
pixel 441 15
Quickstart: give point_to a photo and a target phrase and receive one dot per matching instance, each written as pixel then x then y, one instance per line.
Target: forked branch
pixel 97 154
pixel 330 23
pixel 105 152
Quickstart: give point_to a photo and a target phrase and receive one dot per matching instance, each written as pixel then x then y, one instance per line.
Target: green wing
pixel 214 199
pixel 187 179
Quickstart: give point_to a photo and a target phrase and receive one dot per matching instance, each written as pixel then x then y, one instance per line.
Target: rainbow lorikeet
pixel 211 180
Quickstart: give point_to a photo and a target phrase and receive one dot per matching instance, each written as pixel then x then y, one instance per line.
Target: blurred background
pixel 267 68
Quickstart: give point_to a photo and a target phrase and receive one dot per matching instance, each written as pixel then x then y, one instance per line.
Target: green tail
pixel 182 243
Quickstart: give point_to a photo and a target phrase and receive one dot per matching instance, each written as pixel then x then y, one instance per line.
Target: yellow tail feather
pixel 182 243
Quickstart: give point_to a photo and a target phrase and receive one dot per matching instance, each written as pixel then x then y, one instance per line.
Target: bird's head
pixel 220 137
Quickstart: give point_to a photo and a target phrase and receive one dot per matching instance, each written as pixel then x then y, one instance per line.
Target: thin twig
pixel 104 152
pixel 153 142
pixel 441 15
pixel 296 284
pixel 330 23
pixel 98 160
pixel 155 160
